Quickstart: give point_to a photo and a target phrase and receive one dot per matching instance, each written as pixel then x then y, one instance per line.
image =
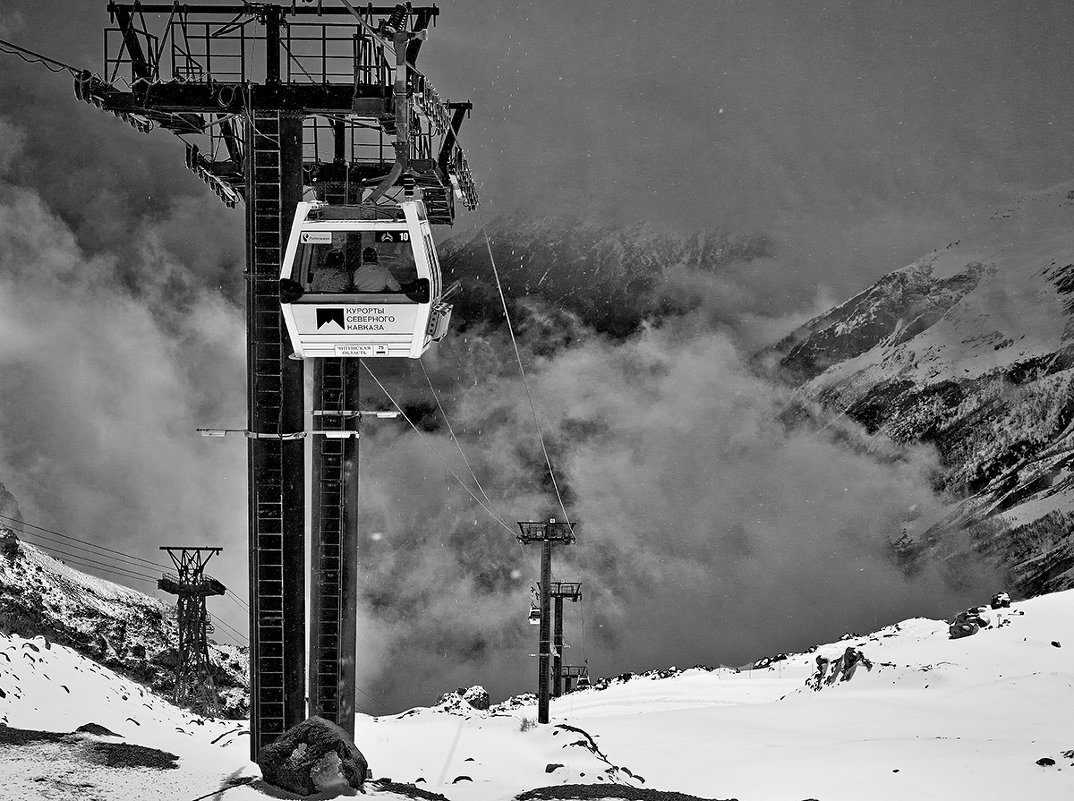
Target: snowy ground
pixel 935 718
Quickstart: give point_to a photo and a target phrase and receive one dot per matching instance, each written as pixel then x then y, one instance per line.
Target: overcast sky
pixel 857 135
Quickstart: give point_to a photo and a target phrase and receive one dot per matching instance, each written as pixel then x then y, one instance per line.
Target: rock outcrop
pixel 313 757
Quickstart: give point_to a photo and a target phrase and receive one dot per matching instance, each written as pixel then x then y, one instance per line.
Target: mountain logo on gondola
pixel 326 316
pixel 391 236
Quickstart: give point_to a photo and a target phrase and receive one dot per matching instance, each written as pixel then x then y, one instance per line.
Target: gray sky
pixel 857 135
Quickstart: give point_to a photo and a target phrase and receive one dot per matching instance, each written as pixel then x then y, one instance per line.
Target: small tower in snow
pixel 194 686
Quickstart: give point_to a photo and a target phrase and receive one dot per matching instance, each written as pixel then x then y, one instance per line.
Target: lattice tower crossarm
pixel 188 69
pixel 194 687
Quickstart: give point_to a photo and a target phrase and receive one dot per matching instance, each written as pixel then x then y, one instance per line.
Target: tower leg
pixel 348 638
pixel 276 467
pixel 544 647
pixel 333 548
pixel 557 649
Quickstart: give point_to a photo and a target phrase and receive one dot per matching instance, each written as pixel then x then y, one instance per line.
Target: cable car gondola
pixel 535 606
pixel 362 281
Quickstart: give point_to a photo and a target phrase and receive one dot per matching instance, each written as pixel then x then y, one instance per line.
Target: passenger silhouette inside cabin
pixel 332 276
pixel 372 276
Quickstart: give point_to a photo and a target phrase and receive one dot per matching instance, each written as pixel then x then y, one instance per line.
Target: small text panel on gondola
pixel 391 236
pixel 367 351
pixel 316 238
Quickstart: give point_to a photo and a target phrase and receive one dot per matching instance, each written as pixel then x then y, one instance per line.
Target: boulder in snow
pixel 96 728
pixel 460 700
pixel 313 757
pixel 969 622
pixel 477 697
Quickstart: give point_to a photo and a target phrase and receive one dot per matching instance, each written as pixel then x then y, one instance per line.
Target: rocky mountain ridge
pixel 970 350
pixel 117 627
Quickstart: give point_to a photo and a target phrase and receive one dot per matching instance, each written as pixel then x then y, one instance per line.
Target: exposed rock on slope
pixel 969 349
pixel 115 626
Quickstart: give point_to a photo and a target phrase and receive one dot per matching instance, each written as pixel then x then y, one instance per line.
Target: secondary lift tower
pixel 560 590
pixel 193 670
pixel 548 534
pixel 283 100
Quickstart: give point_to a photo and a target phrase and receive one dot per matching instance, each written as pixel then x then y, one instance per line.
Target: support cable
pixel 126 563
pixel 382 705
pixel 525 383
pixel 242 638
pixel 123 578
pixel 84 542
pixel 228 27
pixel 116 568
pixel 247 94
pixel 30 57
pixel 292 57
pixel 456 440
pixel 82 562
pixel 435 451
pixel 121 572
pixel 238 600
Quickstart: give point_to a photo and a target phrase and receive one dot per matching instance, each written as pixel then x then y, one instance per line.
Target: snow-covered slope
pixel 985 717
pixel 52 688
pixel 116 626
pixel 970 349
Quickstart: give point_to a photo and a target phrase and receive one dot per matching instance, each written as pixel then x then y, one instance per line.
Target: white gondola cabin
pixel 362 281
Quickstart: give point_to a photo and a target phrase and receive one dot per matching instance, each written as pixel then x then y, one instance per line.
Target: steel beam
pixel 544 648
pixel 176 97
pixel 276 466
pixel 333 619
pixel 185 9
pixel 557 650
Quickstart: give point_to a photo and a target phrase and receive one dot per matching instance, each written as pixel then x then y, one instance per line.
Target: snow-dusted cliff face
pixel 971 349
pixel 117 627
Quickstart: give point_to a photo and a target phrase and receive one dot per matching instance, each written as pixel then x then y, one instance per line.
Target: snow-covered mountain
pixel 984 717
pixel 970 349
pixel 117 627
pixel 610 276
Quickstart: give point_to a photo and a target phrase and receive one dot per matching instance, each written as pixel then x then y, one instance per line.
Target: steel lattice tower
pixel 572 591
pixel 286 99
pixel 194 686
pixel 548 534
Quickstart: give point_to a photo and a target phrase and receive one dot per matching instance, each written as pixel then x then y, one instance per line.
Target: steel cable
pixel 15 520
pixel 435 451
pixel 455 439
pixel 525 383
